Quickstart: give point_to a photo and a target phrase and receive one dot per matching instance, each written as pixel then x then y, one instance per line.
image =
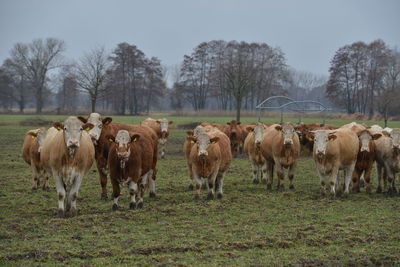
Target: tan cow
pixel 388 159
pixel 210 158
pixel 31 149
pixel 354 126
pixel 335 150
pixel 252 149
pixel 69 155
pixel 280 147
pixel 161 129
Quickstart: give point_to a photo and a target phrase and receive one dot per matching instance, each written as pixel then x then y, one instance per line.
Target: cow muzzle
pixel 73 144
pixel 258 144
pixel 288 142
pixel 123 155
pixel 364 149
pixel 203 154
pixel 320 153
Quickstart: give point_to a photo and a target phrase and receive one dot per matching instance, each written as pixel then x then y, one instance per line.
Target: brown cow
pixel 388 159
pixel 161 129
pixel 69 155
pixel 365 160
pixel 210 158
pixel 130 161
pixel 102 128
pixel 31 149
pixel 252 149
pixel 335 150
pixel 280 146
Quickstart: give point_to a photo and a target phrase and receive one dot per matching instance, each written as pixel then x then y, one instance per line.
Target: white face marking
pixel 395 136
pixel 203 140
pixel 95 119
pixel 258 133
pixel 72 132
pixel 320 142
pixel 287 131
pixel 365 138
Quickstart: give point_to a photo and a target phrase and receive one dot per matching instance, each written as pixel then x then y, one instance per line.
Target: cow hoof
pixel 291 187
pixel 115 207
pixel 210 196
pixel 255 181
pixel 219 195
pixel 132 206
pixel 139 205
pixel 379 190
pixel 72 212
pixel 269 187
pixel 60 214
pixel 103 196
pixel 196 197
pixel 152 195
pixel 191 187
pixel 264 181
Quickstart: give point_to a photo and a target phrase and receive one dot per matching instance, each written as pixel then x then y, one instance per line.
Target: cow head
pixel 122 144
pixel 395 136
pixel 164 130
pixel 203 141
pixel 321 140
pixel 98 123
pixel 258 133
pixel 40 135
pixel 287 131
pixel 365 138
pixel 72 130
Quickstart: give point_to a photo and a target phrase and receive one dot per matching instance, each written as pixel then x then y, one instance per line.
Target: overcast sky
pixel 308 32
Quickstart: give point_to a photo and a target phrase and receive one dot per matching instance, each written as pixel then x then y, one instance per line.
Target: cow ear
pixel 376 136
pixel 250 128
pixel 214 140
pixel 170 122
pixel 110 138
pixel 189 133
pixel 238 123
pixel 158 121
pixel 192 139
pixel 332 137
pixel 106 120
pixel 385 133
pixel 135 137
pixel 278 128
pixel 228 123
pixel 82 119
pixel 58 125
pixel 33 134
pixel 87 126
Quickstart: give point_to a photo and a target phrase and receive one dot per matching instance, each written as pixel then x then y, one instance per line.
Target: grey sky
pixel 308 32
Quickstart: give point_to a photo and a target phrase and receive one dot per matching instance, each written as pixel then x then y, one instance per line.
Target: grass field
pixel 249 226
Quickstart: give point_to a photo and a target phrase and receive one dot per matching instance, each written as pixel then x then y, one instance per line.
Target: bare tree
pixel 91 72
pixel 37 59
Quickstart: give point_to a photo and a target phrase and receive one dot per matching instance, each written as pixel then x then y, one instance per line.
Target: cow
pixel 31 149
pixel 335 150
pixel 252 149
pixel 68 155
pixel 130 161
pixel 280 147
pixel 102 128
pixel 354 126
pixel 388 159
pixel 161 129
pixel 210 157
pixel 365 160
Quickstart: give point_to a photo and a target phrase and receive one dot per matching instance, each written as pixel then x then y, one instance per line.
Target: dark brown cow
pixel 130 161
pixel 102 128
pixel 365 160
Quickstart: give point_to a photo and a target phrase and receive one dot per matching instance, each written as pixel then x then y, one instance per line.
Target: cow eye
pixel 65 128
pixel 81 129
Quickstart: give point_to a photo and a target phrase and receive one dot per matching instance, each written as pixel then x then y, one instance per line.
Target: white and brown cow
pixel 210 157
pixel 335 150
pixel 280 147
pixel 388 158
pixel 252 149
pixel 68 155
pixel 161 128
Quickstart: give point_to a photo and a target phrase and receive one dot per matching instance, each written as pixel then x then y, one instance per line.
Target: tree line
pixel 216 75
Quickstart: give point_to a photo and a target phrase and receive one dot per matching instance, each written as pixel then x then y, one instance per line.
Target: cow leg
pixel 323 185
pixel 61 194
pixel 162 151
pixel 264 173
pixel 291 172
pixel 103 181
pixel 115 194
pixel 254 167
pixel 379 169
pixel 46 176
pixel 281 176
pixel 367 178
pixel 356 180
pixel 152 187
pixel 390 177
pixel 220 181
pixel 73 195
pixel 140 202
pixel 198 182
pixel 385 179
pixel 211 185
pixel 133 189
pixel 347 179
pixel 35 176
pixel 333 181
pixel 270 166
pixel 191 183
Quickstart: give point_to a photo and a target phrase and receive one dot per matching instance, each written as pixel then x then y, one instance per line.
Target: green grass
pixel 249 226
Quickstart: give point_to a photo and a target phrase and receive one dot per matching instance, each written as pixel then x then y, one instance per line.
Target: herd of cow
pixel 128 154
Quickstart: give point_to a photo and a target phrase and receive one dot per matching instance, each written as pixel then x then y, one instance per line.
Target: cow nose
pixel 258 143
pixel 93 136
pixel 364 149
pixel 203 153
pixel 123 155
pixel 320 152
pixel 288 142
pixel 73 143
